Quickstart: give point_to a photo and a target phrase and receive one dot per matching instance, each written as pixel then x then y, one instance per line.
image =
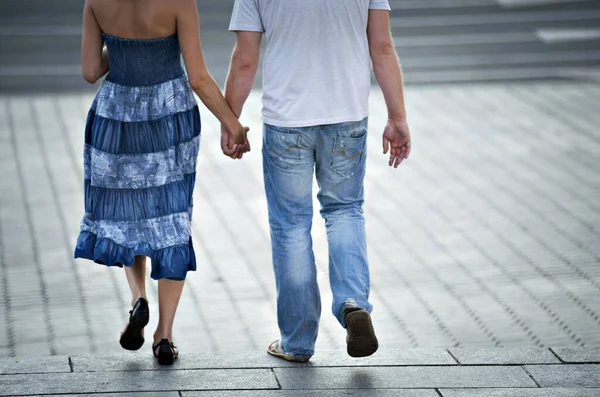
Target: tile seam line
pixel 149 370
pixel 439 366
pixel 556 355
pixel 531 376
pixel 129 392
pixel 276 378
pixel 454 357
pixel 217 368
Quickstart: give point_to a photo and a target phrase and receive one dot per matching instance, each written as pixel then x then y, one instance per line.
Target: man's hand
pixel 234 143
pixel 397 136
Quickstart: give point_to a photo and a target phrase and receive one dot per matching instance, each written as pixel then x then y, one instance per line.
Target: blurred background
pixel 489 236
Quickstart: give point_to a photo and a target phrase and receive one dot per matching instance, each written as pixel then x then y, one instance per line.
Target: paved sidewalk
pixel 489 236
pixel 390 373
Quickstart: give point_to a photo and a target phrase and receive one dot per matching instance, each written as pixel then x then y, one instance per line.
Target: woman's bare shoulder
pixel 163 5
pixel 183 5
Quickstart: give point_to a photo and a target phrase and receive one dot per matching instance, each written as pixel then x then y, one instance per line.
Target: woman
pixel 141 145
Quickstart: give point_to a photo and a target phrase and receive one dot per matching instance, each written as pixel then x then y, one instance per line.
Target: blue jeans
pixel 290 156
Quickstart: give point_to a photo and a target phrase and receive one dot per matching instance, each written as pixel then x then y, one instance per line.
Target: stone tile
pixel 125 362
pixel 32 365
pixel 316 393
pixel 572 375
pixel 137 381
pixel 72 345
pixel 504 356
pixel 402 377
pixel 590 354
pixel 390 357
pixel 32 349
pixel 538 392
pixel 140 394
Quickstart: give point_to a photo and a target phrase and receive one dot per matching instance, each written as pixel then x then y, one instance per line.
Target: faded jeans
pixel 337 152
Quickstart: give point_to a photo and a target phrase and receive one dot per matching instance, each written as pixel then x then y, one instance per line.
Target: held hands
pixel 234 141
pixel 397 136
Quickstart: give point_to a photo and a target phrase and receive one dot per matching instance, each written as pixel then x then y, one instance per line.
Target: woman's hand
pixel 234 140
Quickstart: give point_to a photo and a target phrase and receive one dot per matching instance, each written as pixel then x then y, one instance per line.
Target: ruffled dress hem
pixel 171 263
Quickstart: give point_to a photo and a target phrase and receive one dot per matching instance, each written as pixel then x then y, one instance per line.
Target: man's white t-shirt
pixel 317 68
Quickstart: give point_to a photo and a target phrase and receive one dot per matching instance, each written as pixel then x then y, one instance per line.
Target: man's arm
pixel 389 76
pixel 242 71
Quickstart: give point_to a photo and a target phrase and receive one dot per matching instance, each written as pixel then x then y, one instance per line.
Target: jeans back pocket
pixel 282 146
pixel 348 154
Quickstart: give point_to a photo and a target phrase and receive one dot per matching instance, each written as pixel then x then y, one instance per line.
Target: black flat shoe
pixel 132 338
pixel 166 352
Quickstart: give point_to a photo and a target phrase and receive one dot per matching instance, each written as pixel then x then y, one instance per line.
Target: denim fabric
pixel 142 136
pixel 143 62
pixel 291 156
pixel 140 171
pixel 138 204
pixel 119 137
pixel 159 233
pixel 171 262
pixel 143 103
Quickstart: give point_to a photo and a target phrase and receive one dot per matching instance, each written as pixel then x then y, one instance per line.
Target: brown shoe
pixel 361 338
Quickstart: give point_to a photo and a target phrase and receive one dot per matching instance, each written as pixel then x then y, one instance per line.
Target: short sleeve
pixel 246 16
pixel 379 5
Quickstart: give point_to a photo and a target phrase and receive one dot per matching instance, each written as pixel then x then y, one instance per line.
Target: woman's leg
pixel 132 337
pixel 169 292
pixel 136 277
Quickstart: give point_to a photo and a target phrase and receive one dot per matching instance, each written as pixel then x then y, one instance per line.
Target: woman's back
pixel 137 19
pixel 141 38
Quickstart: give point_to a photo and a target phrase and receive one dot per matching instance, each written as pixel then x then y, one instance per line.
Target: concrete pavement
pixel 391 373
pixel 487 237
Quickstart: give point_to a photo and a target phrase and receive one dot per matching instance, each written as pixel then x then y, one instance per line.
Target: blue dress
pixel 141 144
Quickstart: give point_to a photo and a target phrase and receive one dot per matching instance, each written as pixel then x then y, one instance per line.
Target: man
pixel 315 107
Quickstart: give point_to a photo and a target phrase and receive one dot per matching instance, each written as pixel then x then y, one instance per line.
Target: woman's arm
pixel 188 30
pixel 94 58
